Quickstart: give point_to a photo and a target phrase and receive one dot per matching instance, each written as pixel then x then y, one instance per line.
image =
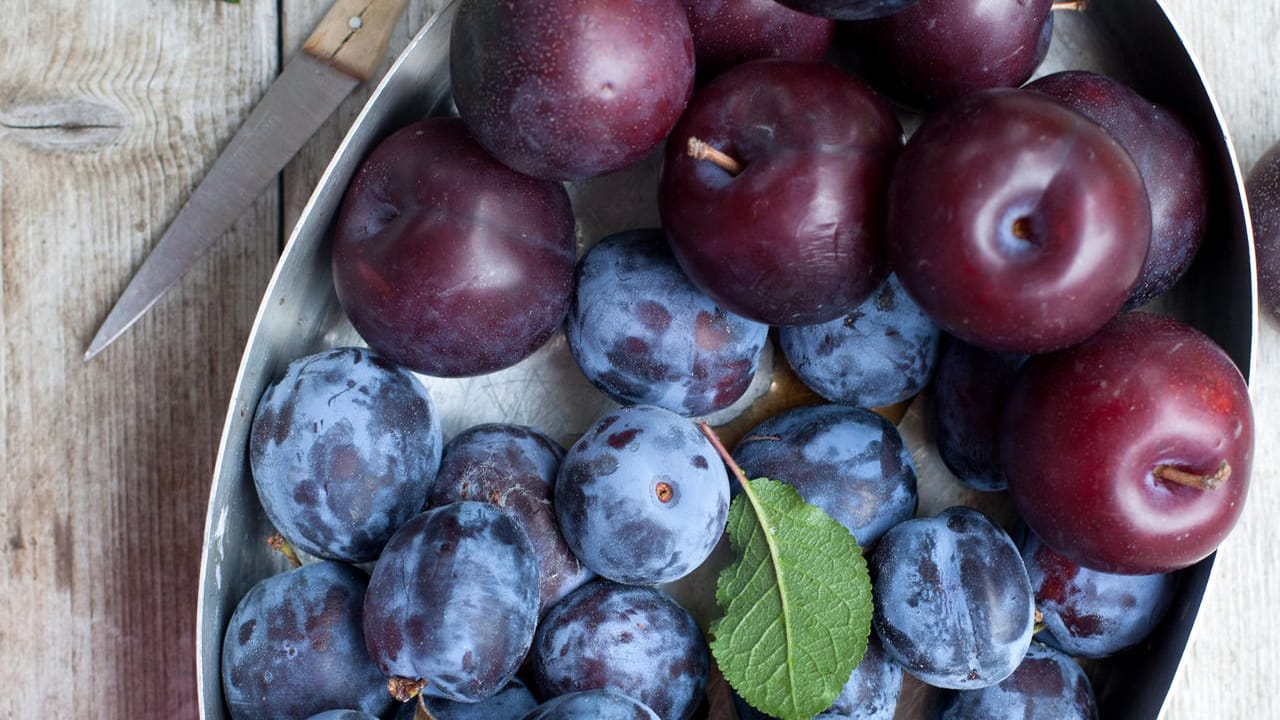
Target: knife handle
pixel 354 34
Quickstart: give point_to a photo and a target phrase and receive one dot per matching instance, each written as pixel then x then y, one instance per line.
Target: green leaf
pixel 796 601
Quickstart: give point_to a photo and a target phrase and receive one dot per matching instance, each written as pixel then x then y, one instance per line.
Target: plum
pixel 445 260
pixel 645 335
pixel 344 449
pixel 453 602
pixel 294 647
pixel 567 90
pixel 953 604
pixel 642 496
pixel 635 640
pixel 850 462
pixel 514 467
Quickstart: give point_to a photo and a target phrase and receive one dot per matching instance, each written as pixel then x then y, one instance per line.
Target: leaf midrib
pixel 775 561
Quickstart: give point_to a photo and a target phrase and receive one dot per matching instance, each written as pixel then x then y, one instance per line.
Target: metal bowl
pixel 1134 41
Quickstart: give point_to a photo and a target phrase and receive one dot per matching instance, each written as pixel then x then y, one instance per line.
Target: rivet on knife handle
pixel 354 34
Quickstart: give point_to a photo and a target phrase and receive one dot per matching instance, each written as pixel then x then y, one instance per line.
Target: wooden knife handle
pixel 354 34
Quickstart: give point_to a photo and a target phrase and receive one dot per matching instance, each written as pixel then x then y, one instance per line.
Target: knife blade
pixel 345 49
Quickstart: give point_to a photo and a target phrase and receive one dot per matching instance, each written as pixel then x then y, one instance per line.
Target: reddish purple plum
pixel 937 51
pixel 793 235
pixel 731 32
pixel 1170 159
pixel 1130 452
pixel 1263 188
pixel 849 9
pixel 445 260
pixel 1017 224
pixel 565 89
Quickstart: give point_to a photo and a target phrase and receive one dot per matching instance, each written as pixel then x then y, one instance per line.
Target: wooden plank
pixel 1233 663
pixel 109 114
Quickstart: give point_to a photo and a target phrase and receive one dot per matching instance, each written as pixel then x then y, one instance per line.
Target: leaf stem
pixel 716 443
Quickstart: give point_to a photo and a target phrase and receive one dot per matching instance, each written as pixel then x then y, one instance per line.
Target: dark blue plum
pixel 635 640
pixel 642 497
pixel 294 647
pixel 1089 613
pixel 870 694
pixel 514 467
pixel 644 335
pixel 1047 684
pixel 592 705
pixel 343 715
pixel 511 703
pixel 953 604
pixel 344 448
pixel 967 402
pixel 882 352
pixel 848 461
pixel 849 9
pixel 453 601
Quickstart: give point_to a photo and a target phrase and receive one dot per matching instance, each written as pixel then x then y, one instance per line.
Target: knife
pixel 346 48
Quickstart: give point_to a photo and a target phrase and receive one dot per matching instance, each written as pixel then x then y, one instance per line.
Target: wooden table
pixel 110 112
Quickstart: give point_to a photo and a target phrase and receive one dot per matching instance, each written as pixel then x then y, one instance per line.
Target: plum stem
pixel 724 453
pixel 1194 480
pixel 1071 5
pixel 1022 228
pixel 700 150
pixel 282 546
pixel 404 689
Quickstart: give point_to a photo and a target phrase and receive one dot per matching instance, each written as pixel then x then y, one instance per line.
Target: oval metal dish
pixel 1133 40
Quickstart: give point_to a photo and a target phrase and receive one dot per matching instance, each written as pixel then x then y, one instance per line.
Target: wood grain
pixel 110 112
